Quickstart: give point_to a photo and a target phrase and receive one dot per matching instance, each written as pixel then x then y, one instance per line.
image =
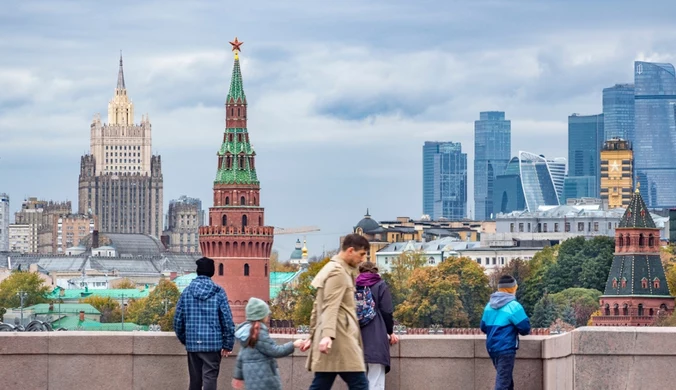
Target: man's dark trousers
pixel 354 380
pixel 504 367
pixel 203 368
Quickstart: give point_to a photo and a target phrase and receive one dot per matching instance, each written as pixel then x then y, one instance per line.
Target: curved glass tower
pixel 654 135
pixel 537 181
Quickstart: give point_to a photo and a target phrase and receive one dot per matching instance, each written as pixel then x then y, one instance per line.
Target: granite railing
pixel 589 358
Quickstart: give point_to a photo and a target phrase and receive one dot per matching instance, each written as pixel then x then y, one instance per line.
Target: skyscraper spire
pixel 120 75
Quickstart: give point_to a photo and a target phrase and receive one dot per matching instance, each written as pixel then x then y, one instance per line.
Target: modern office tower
pixel 618 111
pixel 538 180
pixel 4 222
pixel 654 137
pixel 585 139
pixel 617 175
pixel 508 191
pixel 184 218
pixel 492 151
pixel 120 180
pixel 444 180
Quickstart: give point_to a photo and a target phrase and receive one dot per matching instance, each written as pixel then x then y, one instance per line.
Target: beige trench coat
pixel 334 314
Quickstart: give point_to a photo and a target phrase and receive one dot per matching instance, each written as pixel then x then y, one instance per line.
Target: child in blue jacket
pixel 503 321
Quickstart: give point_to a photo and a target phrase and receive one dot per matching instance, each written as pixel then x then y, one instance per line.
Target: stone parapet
pixel 588 358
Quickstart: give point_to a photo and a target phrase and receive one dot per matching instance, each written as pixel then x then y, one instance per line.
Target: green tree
pixel 306 293
pixel 155 306
pixel 582 301
pixel 109 308
pixel 545 313
pixel 453 294
pixel 28 282
pixel 534 285
pixel 400 274
pixel 581 263
pixel 568 315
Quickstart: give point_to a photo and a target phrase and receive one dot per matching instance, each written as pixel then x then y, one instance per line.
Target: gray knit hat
pixel 506 281
pixel 256 309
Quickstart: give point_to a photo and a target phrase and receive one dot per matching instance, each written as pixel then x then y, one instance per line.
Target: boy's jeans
pixel 504 366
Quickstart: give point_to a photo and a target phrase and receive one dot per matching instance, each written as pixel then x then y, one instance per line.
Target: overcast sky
pixel 341 94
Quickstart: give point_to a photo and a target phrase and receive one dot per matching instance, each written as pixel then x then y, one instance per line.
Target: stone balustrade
pixel 589 358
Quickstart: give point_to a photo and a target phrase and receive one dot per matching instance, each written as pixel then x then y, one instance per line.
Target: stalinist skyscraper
pixel 120 180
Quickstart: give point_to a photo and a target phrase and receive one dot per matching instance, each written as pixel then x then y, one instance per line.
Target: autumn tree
pixel 284 304
pixel 28 282
pixel 124 284
pixel 400 273
pixel 156 307
pixel 109 308
pixel 279 266
pixel 669 263
pixel 305 293
pixel 452 294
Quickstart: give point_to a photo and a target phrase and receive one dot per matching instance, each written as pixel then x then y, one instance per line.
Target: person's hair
pixel 355 241
pixel 367 266
pixel 253 334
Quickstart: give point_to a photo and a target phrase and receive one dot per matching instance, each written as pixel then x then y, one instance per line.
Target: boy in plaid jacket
pixel 203 323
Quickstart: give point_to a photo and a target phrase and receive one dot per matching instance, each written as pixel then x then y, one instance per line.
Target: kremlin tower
pixel 237 238
pixel 636 293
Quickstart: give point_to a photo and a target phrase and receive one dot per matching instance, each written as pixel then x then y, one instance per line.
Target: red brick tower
pixel 237 238
pixel 636 293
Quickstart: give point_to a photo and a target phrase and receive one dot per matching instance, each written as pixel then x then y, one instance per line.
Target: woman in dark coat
pixel 377 335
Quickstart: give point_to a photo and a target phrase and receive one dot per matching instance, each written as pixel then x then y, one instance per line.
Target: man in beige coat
pixel 335 338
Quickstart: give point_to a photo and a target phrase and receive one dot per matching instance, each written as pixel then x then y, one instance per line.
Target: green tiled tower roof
pixel 236 154
pixel 637 215
pixel 236 92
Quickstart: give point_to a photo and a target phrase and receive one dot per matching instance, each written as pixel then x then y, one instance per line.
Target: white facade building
pixel 19 238
pixel 4 222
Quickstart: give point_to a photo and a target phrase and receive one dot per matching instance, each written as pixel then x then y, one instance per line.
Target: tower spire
pixel 236 92
pixel 120 75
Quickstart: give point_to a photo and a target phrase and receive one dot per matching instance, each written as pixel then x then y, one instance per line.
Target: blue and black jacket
pixel 503 321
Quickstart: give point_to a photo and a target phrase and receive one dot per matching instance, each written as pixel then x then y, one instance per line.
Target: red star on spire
pixel 236 45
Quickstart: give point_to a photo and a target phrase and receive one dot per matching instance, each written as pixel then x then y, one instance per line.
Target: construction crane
pixel 297 230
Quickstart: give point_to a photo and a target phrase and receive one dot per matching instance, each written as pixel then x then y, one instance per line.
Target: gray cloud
pixel 341 95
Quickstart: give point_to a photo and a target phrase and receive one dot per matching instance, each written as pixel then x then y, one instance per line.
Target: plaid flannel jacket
pixel 203 321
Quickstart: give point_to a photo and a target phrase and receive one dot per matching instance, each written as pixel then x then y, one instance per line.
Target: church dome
pixel 367 223
pixel 297 253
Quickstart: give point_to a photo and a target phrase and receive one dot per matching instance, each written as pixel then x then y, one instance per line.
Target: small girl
pixel 256 365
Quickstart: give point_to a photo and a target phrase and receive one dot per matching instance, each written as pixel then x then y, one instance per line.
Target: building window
pixel 520 227
pixel 620 241
pixel 567 227
pixel 244 221
pixel 225 220
pixel 614 282
pixel 610 226
pixel 544 227
pixel 641 240
pixel 625 310
pixel 556 227
pixel 596 226
pixel 580 226
pixel 431 261
pixel 656 283
pixel 628 240
pixel 242 201
pixel 220 269
pixel 246 269
pixel 494 261
pixel 528 227
pixel 227 200
pixel 478 260
pixel 640 309
pixel 511 227
pixel 616 309
pixel 644 283
pixel 266 270
pixel 651 241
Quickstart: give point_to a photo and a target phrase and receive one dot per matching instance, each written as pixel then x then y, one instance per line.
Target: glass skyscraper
pixel 508 192
pixel 492 151
pixel 444 180
pixel 654 136
pixel 537 180
pixel 618 111
pixel 585 140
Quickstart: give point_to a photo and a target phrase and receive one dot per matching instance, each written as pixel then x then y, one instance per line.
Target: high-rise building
pixel 39 216
pixel 492 151
pixel 508 191
pixel 618 111
pixel 19 238
pixel 120 180
pixel 444 180
pixel 4 222
pixel 237 238
pixel 585 139
pixel 184 218
pixel 654 138
pixel 617 175
pixel 538 180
